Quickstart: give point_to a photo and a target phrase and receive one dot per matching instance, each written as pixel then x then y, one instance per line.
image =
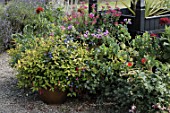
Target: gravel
pixel 15 100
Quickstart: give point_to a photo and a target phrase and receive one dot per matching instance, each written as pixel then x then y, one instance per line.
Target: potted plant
pixel 146 15
pixel 52 66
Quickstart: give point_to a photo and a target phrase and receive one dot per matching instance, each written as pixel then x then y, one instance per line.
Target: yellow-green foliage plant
pixel 53 62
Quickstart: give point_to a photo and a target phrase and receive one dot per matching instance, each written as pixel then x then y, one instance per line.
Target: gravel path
pixel 15 100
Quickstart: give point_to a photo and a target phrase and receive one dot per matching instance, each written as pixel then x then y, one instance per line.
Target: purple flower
pixel 87 32
pixel 106 33
pixel 99 36
pixel 99 30
pixel 93 35
pixel 50 55
pixel 85 35
pixel 128 21
pixel 70 27
pixel 125 20
pixel 51 34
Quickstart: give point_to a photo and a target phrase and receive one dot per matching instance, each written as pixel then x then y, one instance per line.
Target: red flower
pixel 39 9
pixel 143 60
pixel 77 69
pixel 164 21
pixel 130 64
pixel 153 35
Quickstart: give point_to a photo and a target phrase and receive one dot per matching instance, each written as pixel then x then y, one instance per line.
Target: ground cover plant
pixel 93 54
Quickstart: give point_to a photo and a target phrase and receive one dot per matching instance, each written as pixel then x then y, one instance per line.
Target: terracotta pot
pixel 50 97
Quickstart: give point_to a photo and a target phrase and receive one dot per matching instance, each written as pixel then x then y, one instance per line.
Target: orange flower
pixel 130 64
pixel 143 60
pixel 39 9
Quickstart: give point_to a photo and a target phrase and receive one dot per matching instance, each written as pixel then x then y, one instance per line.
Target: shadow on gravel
pixel 27 101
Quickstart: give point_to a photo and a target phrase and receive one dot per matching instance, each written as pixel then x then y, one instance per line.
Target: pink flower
pixel 74 16
pixel 70 27
pixel 116 23
pixel 77 22
pixel 69 18
pixel 86 22
pixel 85 7
pixel 51 34
pixel 91 15
pixel 62 27
pixel 118 14
pixel 113 11
pixel 77 78
pixel 94 21
pixel 117 8
pixel 93 6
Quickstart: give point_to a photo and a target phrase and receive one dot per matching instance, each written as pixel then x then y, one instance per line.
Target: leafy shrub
pixel 52 62
pixel 19 13
pixel 100 60
pixel 126 74
pixel 23 12
pixel 165 45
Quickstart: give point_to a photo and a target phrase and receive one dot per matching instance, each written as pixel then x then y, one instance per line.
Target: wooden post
pixel 91 2
pixel 140 16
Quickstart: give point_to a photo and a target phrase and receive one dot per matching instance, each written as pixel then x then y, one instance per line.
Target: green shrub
pixel 101 60
pixel 165 45
pixel 130 75
pixel 19 13
pixel 52 62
